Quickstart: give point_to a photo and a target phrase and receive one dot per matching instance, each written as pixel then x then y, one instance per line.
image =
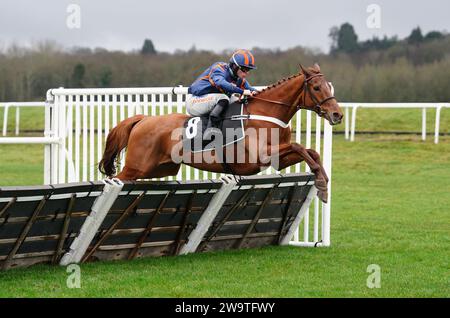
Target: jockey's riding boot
pixel 214 117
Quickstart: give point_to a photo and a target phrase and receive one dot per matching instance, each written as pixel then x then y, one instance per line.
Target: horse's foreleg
pixel 316 158
pixel 294 153
pixel 288 160
pixel 290 154
pixel 316 167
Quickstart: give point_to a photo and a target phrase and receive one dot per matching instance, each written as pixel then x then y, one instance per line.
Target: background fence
pixel 350 129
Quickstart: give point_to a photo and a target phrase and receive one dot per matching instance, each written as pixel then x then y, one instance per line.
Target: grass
pixel 21 164
pixel 390 207
pixel 31 118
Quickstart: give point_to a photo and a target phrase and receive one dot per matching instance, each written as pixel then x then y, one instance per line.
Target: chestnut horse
pixel 150 143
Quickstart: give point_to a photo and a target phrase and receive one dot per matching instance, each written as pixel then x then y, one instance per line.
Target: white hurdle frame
pixel 80 119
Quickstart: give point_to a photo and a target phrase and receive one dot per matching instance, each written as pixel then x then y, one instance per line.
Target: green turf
pixel 390 207
pixel 21 164
pixel 30 118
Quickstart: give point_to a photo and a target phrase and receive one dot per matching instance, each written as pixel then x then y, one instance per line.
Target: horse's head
pixel 318 95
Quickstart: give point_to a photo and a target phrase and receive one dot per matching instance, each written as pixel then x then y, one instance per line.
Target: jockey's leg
pixel 215 115
pixel 203 105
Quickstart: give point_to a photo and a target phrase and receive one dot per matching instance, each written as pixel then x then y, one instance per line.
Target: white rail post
pixel 298 139
pixel 85 148
pixel 286 240
pixel 49 132
pixel 316 199
pixel 5 120
pixel 424 123
pixel 91 137
pixel 347 126
pixel 307 169
pixel 436 128
pixel 77 136
pixel 327 156
pixel 62 128
pixel 352 137
pixel 17 119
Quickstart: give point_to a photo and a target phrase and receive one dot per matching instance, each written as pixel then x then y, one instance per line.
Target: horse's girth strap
pixel 274 120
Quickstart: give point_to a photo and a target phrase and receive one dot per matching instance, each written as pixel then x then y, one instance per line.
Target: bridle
pixel 306 90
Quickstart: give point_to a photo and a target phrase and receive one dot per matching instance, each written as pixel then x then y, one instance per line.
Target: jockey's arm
pixel 249 90
pixel 219 79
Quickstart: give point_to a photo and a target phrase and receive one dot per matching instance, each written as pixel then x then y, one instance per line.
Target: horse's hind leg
pixel 142 156
pixel 130 174
pixel 164 170
pixel 139 164
pixel 157 171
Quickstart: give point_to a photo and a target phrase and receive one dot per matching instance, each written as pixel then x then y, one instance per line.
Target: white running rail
pixel 350 128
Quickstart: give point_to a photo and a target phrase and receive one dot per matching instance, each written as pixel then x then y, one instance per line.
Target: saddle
pixel 230 130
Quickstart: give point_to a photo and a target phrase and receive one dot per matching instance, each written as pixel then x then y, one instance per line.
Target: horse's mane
pixel 283 80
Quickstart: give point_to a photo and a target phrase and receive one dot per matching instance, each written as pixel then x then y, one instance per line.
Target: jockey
pixel 212 90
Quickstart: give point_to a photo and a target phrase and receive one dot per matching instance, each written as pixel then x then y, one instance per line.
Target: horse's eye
pixel 317 88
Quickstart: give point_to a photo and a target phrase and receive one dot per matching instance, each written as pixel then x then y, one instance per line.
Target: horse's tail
pixel 116 141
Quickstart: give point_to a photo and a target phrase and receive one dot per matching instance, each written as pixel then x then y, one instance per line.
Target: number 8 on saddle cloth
pixel 231 130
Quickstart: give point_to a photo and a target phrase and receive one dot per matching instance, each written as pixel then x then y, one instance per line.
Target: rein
pixel 306 89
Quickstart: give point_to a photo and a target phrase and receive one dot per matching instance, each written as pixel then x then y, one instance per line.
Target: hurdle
pixel 114 220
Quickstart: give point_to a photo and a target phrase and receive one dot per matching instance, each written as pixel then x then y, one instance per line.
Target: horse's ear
pixel 304 70
pixel 316 67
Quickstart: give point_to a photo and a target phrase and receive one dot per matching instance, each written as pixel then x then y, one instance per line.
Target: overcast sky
pixel 209 24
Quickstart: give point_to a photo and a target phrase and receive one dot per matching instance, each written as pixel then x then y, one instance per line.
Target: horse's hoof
pixel 321 185
pixel 323 196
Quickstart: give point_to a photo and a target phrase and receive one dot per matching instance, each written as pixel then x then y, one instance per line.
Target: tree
pixel 42 81
pixel 347 38
pixel 344 39
pixel 78 75
pixel 433 35
pixel 148 48
pixel 416 36
pixel 378 44
pixel 334 36
pixel 105 77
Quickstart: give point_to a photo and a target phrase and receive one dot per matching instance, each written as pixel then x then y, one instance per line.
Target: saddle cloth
pixel 231 131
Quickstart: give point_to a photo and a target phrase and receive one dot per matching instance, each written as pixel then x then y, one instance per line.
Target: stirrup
pixel 210 131
pixel 212 124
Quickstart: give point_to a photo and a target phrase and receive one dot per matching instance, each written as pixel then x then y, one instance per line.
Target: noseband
pixel 306 90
